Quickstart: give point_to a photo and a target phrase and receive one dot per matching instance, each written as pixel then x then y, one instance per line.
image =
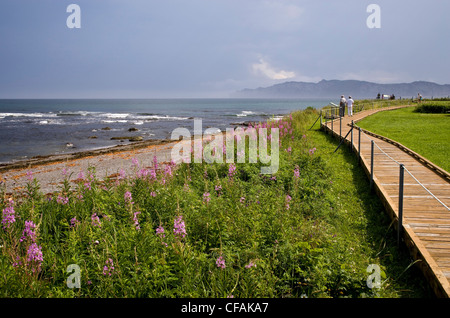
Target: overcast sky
pixel 209 48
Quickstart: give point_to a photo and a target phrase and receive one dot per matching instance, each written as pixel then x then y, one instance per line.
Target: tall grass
pixel 207 230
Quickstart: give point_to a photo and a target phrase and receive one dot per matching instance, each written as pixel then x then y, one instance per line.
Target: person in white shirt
pixel 350 103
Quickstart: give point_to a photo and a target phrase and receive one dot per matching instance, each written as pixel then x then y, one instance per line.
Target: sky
pixel 212 48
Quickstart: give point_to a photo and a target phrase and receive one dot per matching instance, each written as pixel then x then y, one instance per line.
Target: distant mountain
pixel 336 88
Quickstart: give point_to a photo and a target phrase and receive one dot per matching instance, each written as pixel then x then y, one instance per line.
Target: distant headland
pixel 358 89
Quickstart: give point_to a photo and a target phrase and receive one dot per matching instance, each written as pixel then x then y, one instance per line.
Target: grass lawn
pixel 426 134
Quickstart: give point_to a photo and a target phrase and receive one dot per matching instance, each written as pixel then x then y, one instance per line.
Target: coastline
pixel 52 158
pixel 51 170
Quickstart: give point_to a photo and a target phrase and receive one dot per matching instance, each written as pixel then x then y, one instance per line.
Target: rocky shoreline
pixel 41 160
pixel 50 171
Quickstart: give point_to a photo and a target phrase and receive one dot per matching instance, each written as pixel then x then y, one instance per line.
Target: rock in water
pixel 136 138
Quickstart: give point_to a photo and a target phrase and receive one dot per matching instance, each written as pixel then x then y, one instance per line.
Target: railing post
pixel 351 138
pixel 340 127
pixel 371 164
pixel 320 120
pixel 332 124
pixel 359 144
pixel 400 202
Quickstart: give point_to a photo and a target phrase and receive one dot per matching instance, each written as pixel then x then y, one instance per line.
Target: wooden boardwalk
pixel 425 227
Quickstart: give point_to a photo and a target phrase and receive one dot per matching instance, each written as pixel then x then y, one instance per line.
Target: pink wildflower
pixel 8 215
pixel 143 173
pixel 122 174
pixel 160 231
pixel 28 231
pixel 297 172
pixel 179 227
pixel 288 199
pixel 128 198
pixel 34 254
pixel 232 170
pixel 155 163
pixel 168 170
pixel 108 269
pixel 250 265
pixel 74 222
pixel 62 200
pixel 135 162
pixel 206 197
pixel 220 262
pixel 135 219
pixel 95 220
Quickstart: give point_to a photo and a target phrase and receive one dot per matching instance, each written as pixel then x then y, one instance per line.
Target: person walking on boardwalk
pixel 342 106
pixel 350 103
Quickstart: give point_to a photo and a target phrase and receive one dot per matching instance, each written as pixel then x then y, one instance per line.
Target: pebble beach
pixel 51 171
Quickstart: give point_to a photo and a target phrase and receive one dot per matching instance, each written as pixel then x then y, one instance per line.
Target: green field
pixel 426 134
pixel 312 229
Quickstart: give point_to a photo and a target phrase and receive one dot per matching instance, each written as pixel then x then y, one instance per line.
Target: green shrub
pixel 436 107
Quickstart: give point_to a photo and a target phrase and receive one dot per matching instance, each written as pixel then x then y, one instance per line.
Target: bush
pixel 436 107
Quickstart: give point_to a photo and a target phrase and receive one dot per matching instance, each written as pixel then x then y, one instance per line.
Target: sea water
pixel 30 128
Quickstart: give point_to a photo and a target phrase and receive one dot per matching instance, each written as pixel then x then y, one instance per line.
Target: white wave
pixel 50 122
pixel 115 121
pixel 213 131
pixel 77 113
pixel 158 117
pixel 33 115
pixel 117 115
pixel 246 113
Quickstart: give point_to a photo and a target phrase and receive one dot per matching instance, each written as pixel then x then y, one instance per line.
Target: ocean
pixel 30 128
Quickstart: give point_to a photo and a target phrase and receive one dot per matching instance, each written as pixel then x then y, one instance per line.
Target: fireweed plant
pixel 198 230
